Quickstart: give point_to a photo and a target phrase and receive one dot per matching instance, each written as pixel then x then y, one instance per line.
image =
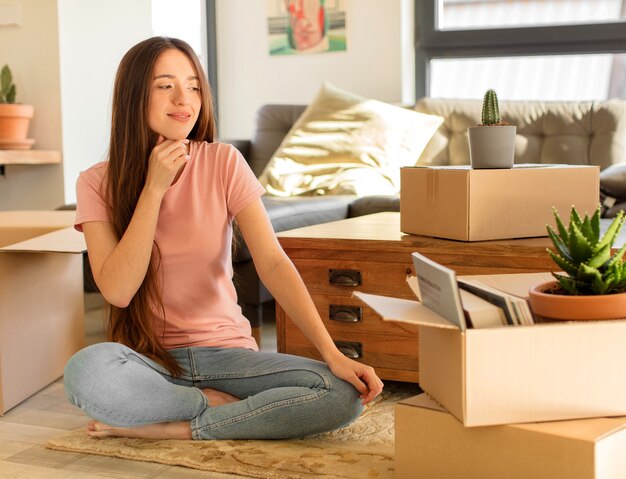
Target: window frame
pixel 431 43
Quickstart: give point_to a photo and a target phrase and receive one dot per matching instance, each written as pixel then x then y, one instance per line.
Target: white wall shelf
pixel 29 157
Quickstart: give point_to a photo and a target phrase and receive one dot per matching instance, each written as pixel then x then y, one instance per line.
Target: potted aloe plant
pixel 593 282
pixel 14 117
pixel 492 143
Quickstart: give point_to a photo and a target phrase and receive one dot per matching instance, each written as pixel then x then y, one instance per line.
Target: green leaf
pixel 559 224
pixel 600 287
pixel 587 231
pixel 617 257
pixel 595 225
pixel 5 79
pixel 560 246
pixel 579 247
pixel 588 273
pixel 11 95
pixel 600 256
pixel 574 219
pixel 612 231
pixel 568 267
pixel 567 283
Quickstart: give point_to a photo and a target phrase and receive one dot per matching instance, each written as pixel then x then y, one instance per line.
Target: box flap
pixel 425 401
pixel 16 226
pixel 67 240
pixel 590 430
pixel 404 311
pixel 37 219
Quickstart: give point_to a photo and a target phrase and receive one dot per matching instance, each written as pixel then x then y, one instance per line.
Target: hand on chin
pixel 172 136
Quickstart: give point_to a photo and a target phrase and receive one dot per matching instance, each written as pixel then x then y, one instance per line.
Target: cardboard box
pixel 41 300
pixel 516 374
pixel 459 203
pixel 431 443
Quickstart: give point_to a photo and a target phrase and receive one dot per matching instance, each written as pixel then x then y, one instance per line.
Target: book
pixel 516 309
pixel 480 313
pixel 466 302
pixel 439 290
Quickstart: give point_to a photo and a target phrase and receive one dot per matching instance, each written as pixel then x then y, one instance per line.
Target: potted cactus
pixel 492 143
pixel 14 117
pixel 593 282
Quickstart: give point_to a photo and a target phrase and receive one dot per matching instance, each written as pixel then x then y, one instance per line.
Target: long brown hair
pixel 129 149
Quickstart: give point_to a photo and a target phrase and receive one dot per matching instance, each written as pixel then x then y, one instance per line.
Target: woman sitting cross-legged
pixel 157 218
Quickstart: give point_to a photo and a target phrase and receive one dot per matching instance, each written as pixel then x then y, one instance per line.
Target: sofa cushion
pixel 346 144
pixel 273 122
pixel 297 212
pixel 576 133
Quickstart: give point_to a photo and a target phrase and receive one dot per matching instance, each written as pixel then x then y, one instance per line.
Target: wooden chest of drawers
pixel 370 254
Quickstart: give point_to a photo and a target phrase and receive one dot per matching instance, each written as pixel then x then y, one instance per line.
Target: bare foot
pixel 217 398
pixel 164 430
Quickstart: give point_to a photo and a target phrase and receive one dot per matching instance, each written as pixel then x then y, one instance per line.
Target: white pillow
pixel 346 144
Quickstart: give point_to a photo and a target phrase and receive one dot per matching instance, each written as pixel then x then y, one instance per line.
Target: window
pixel 542 77
pixel 524 49
pixel 476 14
pixel 180 19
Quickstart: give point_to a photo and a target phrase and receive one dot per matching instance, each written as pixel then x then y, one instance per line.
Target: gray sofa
pixel 273 122
pixel 547 132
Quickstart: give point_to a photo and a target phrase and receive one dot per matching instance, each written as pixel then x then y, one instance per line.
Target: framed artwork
pixel 306 26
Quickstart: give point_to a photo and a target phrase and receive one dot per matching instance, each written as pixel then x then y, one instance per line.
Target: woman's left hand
pixel 361 376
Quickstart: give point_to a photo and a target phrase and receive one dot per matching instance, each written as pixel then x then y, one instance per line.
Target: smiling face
pixel 175 99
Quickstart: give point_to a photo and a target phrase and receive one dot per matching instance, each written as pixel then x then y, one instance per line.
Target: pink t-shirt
pixel 194 234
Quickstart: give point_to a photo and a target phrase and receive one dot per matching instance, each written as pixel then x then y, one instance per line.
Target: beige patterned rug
pixel 363 450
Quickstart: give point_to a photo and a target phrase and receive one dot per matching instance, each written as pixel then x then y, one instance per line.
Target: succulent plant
pixel 491 110
pixel 7 87
pixel 586 257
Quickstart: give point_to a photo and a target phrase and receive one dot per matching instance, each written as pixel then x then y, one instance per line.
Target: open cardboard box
pixel 429 442
pixel 458 202
pixel 516 374
pixel 41 300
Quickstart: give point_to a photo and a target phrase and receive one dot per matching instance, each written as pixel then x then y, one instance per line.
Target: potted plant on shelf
pixel 14 117
pixel 593 282
pixel 492 143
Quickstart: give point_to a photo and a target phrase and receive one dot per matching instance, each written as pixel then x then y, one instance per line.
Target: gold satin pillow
pixel 346 144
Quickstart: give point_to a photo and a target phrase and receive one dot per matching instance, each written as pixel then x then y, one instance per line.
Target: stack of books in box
pixel 507 397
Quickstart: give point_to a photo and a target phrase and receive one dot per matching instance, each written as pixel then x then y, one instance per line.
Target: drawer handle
pixel 344 277
pixel 344 313
pixel 349 349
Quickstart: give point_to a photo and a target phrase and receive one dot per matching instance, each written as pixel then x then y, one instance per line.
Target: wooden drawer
pixel 325 276
pixel 381 351
pixel 345 309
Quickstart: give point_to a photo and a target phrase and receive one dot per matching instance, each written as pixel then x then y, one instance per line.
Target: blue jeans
pixel 282 396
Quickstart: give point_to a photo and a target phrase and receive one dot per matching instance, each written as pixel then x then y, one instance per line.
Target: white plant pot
pixel 492 146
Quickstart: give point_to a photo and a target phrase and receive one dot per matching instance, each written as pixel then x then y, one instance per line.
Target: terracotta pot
pixel 575 308
pixel 14 120
pixel 492 146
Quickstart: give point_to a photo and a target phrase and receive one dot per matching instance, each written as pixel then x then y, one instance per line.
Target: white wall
pixel 93 37
pixel 249 77
pixel 65 53
pixel 31 50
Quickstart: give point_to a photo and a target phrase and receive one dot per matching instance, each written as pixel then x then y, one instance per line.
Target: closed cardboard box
pixel 457 202
pixel 431 443
pixel 516 374
pixel 41 301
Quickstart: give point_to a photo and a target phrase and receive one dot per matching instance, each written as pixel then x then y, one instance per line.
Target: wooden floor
pixel 25 429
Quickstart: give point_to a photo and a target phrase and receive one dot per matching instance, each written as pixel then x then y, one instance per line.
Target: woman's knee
pixel 87 369
pixel 350 399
